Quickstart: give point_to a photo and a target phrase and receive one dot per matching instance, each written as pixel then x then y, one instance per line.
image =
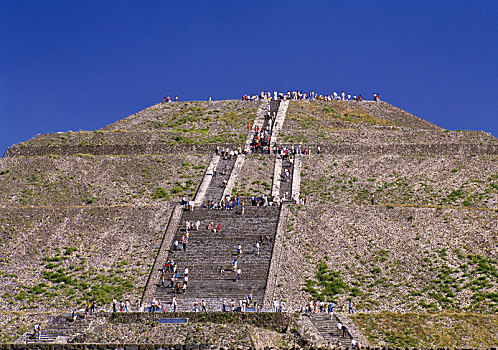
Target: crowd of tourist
pixel 294 95
pixel 231 203
pixel 297 95
pixel 243 305
pixel 262 135
pixel 314 307
pixel 227 153
pixel 285 151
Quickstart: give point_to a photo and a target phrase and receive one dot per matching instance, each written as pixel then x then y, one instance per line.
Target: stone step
pixel 326 324
pixel 207 251
pixel 216 187
pixel 60 326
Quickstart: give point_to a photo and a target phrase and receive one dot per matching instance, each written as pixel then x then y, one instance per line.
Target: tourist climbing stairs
pixel 268 123
pixel 209 256
pixel 274 105
pixel 223 171
pixel 211 252
pixel 326 324
pixel 60 329
pixel 286 179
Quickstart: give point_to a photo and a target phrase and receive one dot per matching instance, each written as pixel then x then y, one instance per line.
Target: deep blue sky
pixel 71 65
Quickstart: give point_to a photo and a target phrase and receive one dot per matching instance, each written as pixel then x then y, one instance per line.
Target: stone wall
pixel 275 259
pixel 396 259
pixel 347 148
pixel 408 148
pixel 449 180
pixel 278 322
pixel 131 346
pixel 112 149
pixel 155 275
pixel 99 180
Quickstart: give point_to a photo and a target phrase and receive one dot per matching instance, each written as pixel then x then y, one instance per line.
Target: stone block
pixel 146 347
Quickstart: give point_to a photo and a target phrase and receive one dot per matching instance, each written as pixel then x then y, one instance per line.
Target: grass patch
pixel 326 285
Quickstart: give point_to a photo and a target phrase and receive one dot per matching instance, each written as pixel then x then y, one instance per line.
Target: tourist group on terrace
pixel 310 96
pixel 295 95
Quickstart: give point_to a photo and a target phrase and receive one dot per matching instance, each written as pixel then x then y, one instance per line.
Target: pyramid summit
pixel 294 213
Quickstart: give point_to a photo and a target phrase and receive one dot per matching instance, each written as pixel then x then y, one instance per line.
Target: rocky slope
pixel 391 258
pixel 59 258
pixel 450 180
pixel 99 180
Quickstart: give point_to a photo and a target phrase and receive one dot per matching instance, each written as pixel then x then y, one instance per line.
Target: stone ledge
pixel 112 149
pixel 405 148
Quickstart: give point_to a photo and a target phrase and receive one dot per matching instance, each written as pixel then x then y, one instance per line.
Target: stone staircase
pixel 208 252
pixel 327 327
pixel 286 182
pixel 223 171
pixel 274 106
pixel 268 122
pixel 60 329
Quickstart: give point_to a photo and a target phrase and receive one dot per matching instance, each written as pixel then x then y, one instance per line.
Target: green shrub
pixel 161 193
pixel 21 296
pixel 58 276
pixel 328 281
pixel 70 251
pixel 38 289
pixel 53 259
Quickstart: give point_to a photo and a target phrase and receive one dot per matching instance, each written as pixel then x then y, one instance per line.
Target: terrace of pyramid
pixel 358 202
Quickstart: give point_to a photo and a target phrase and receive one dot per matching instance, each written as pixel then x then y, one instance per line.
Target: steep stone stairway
pixel 286 181
pixel 60 329
pixel 208 252
pixel 223 171
pixel 327 326
pixel 268 123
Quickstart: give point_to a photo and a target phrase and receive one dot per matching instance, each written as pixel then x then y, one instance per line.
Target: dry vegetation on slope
pixel 55 259
pixel 319 122
pixel 197 116
pixel 445 330
pixel 120 141
pixel 166 124
pixel 391 259
pixel 99 180
pixel 469 181
pixel 256 176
